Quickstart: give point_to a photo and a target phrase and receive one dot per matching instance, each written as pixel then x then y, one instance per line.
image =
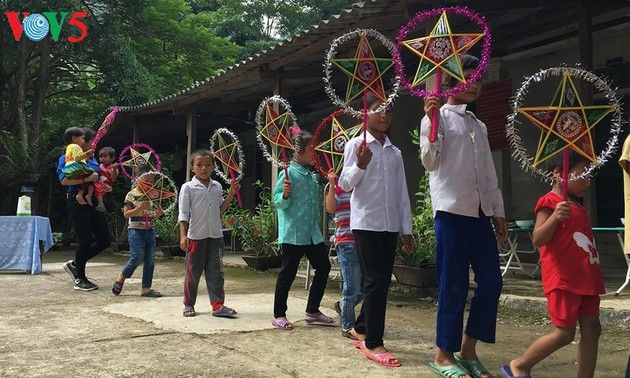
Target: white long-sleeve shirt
pixel 200 206
pixel 380 200
pixel 462 176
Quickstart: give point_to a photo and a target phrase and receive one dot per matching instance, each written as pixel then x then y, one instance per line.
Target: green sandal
pixel 450 371
pixel 474 367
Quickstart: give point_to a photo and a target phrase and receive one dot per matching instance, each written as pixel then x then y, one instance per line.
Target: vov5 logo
pixel 36 26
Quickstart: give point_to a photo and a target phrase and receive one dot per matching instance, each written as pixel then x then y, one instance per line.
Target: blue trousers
pixel 142 248
pixel 352 292
pixel 462 242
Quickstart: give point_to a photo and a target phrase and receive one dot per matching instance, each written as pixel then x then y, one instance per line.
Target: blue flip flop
pixel 507 372
pixel 224 312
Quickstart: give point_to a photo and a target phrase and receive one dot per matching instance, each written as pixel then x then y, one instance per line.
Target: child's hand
pixel 158 212
pixel 408 243
pixel 562 211
pixel 286 189
pixel 364 156
pixel 235 185
pixel 431 103
pixel 90 153
pixel 183 243
pixel 332 176
pixel 93 177
pixel 500 229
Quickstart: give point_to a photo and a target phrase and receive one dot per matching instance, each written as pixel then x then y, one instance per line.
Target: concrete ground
pixel 49 330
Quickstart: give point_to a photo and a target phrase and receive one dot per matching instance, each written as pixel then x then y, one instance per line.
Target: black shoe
pixel 84 284
pixel 71 268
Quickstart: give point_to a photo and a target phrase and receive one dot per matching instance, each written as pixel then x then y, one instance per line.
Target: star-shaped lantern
pixel 138 159
pixel 276 129
pixel 155 191
pixel 565 123
pixel 227 154
pixel 365 72
pixel 441 49
pixel 332 148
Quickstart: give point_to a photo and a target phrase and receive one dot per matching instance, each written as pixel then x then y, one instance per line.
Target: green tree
pixel 260 24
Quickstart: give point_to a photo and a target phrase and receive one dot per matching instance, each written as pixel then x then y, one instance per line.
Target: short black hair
pixel 200 152
pixel 555 162
pixel 72 132
pixel 107 150
pixel 89 134
pixel 469 62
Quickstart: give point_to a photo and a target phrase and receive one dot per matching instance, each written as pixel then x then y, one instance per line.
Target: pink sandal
pixel 385 359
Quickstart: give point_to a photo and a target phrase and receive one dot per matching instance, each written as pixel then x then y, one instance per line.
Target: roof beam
pixel 323 43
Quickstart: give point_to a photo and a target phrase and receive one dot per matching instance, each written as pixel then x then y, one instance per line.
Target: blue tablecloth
pixel 19 242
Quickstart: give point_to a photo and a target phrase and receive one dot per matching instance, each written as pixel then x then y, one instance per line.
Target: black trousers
pixel 376 252
pixel 92 231
pixel 291 256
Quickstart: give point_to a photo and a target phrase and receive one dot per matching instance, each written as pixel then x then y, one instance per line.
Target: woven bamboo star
pixel 566 122
pixel 441 49
pixel 156 192
pixel 333 147
pixel 139 159
pixel 227 154
pixel 365 71
pixel 276 129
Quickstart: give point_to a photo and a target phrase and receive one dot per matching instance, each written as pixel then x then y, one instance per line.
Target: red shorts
pixel 99 190
pixel 565 308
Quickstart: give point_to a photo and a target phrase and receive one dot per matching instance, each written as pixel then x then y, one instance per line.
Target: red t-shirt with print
pixel 570 261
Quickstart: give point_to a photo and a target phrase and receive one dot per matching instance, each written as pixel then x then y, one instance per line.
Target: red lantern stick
pixel 236 191
pixel 565 174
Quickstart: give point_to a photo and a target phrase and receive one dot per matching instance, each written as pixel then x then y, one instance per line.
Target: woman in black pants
pixel 89 225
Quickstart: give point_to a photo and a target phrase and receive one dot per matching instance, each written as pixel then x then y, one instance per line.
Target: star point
pixel 365 71
pixel 441 49
pixel 566 123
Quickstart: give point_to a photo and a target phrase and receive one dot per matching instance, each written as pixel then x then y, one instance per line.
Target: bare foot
pixel 80 199
pixel 88 199
pixel 518 372
pixel 359 336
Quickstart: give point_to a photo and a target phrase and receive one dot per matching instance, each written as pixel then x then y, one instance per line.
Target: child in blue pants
pixel 466 201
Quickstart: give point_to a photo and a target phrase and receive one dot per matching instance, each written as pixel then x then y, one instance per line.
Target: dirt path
pixel 49 330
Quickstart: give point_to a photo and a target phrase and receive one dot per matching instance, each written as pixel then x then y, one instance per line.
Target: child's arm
pixel 115 172
pixel 282 192
pixel 79 155
pixel 430 152
pixel 331 201
pixel 547 221
pixel 355 161
pixel 183 235
pixel 230 196
pixel 183 216
pixel 130 211
pixel 404 206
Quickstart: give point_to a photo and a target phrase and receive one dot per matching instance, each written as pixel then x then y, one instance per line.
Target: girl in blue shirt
pixel 297 199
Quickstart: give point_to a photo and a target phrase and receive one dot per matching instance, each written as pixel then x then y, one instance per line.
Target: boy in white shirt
pixel 201 236
pixel 466 200
pixel 373 168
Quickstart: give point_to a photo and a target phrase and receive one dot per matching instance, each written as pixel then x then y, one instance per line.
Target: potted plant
pixel 417 268
pixel 256 230
pixel 167 232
